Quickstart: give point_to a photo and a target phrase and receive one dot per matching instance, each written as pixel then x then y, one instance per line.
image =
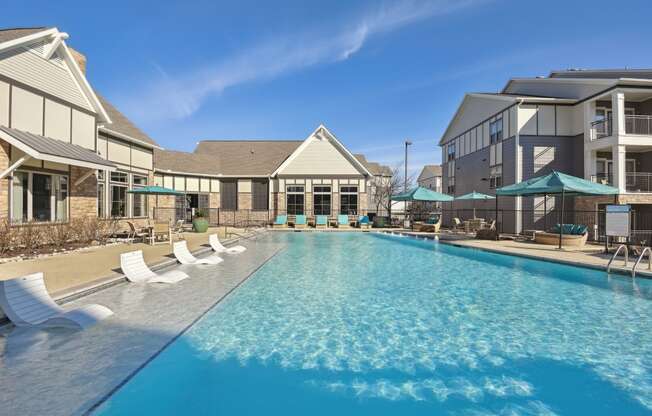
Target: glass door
pixel 41 197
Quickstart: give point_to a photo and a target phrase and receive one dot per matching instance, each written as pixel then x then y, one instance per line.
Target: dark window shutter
pixel 260 195
pixel 229 195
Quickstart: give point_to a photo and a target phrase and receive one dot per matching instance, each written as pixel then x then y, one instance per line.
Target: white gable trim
pixel 331 137
pixel 78 76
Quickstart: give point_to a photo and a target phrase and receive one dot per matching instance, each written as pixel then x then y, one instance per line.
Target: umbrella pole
pixel 561 215
pixel 545 212
pixel 496 217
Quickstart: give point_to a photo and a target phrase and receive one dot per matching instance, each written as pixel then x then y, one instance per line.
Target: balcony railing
pixel 634 181
pixel 634 124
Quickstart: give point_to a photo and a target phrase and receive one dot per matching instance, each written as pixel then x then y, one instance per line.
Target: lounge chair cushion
pixel 281 219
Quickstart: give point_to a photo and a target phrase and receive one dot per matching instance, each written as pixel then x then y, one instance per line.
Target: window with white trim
pixel 496 176
pixel 37 196
pixel 101 194
pixel 295 199
pixel 349 200
pixel 322 199
pixel 139 202
pixel 118 185
pixel 496 131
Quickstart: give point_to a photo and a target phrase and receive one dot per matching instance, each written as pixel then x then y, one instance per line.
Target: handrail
pixel 616 254
pixel 649 260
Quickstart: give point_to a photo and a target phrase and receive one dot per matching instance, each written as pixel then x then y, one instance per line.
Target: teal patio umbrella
pixel 555 183
pixel 422 194
pixel 474 196
pixel 154 190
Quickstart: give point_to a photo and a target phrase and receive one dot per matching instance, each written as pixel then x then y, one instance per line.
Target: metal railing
pixel 636 124
pixel 634 181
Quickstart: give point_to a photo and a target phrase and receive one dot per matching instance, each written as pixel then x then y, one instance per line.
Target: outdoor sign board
pixel 617 220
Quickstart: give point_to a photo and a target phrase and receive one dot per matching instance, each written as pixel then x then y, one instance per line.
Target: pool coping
pixel 614 269
pixel 115 389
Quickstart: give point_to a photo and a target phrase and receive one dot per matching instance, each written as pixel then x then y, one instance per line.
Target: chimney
pixel 80 58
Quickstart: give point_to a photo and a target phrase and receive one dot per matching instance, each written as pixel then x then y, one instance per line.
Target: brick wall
pixel 244 200
pixel 83 197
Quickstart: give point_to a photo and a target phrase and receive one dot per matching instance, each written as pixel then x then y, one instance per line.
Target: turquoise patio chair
pixel 321 221
pixel 343 221
pixel 300 221
pixel 281 221
pixel 363 221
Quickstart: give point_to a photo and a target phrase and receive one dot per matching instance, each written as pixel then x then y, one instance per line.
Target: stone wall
pixel 83 197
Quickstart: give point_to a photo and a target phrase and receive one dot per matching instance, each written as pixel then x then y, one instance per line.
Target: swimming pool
pixel 368 324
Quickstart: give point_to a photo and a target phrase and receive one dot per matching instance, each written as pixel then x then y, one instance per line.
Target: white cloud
pixel 180 95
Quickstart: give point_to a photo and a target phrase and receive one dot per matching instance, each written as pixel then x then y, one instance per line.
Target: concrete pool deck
pixel 66 372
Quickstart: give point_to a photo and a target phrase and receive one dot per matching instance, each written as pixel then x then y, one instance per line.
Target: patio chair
pixel 218 247
pixel 135 233
pixel 280 222
pixel 363 222
pixel 184 256
pixel 26 302
pixel 161 230
pixel 343 221
pixel 177 230
pixel 300 221
pixel 457 224
pixel 136 271
pixel 321 221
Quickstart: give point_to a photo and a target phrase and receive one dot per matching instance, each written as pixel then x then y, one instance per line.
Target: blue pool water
pixel 361 324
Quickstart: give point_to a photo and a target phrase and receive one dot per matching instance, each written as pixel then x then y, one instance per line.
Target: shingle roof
pixel 183 162
pixel 432 170
pixel 7 35
pixel 121 124
pixel 247 157
pixel 376 169
pixel 54 147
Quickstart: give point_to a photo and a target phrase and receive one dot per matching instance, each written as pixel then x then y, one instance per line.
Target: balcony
pixel 634 124
pixel 634 181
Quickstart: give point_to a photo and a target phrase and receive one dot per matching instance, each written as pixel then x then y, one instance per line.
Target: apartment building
pixel 595 124
pixel 65 152
pixel 430 177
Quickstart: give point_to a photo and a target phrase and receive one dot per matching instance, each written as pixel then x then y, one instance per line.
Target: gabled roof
pixel 322 131
pixel 375 168
pixel 429 171
pixel 182 163
pixel 14 38
pixel 122 127
pixel 53 150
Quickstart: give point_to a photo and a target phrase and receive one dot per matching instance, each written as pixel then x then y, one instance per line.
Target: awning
pixel 422 194
pixel 556 183
pixel 53 150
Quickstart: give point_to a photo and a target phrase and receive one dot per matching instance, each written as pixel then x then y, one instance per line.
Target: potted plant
pixel 200 222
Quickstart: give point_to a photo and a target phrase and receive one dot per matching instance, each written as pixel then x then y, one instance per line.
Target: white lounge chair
pixel 134 267
pixel 217 246
pixel 26 302
pixel 184 256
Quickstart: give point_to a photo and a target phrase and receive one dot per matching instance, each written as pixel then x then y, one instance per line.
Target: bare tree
pixel 384 186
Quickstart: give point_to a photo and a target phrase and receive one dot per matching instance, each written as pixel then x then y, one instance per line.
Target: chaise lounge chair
pixel 134 267
pixel 184 256
pixel 218 247
pixel 363 222
pixel 26 302
pixel 280 222
pixel 300 221
pixel 343 221
pixel 573 235
pixel 321 221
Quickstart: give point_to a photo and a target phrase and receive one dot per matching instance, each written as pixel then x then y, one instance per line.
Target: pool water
pixel 370 324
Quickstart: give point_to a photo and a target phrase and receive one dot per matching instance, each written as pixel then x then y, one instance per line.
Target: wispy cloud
pixel 178 96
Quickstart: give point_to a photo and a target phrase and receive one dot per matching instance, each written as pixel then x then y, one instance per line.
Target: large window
pixel 101 194
pixel 39 197
pixel 118 193
pixel 229 195
pixel 349 200
pixel 139 201
pixel 451 151
pixel 322 200
pixel 260 195
pixel 496 131
pixel 295 199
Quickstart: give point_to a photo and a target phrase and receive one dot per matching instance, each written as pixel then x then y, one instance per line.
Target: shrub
pixel 30 236
pixel 7 236
pixel 57 234
pixel 486 234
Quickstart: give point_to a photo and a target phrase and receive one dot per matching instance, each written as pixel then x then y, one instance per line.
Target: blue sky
pixel 373 72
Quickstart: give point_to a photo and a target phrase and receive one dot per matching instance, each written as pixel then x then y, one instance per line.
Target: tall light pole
pixel 405 185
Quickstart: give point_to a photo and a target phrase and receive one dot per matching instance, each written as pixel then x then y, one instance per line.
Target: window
pixel 295 198
pixel 322 200
pixel 229 195
pixel 349 200
pixel 101 194
pixel 451 186
pixel 20 185
pixel 496 176
pixel 496 131
pixel 139 201
pixel 260 195
pixel 118 194
pixel 451 152
pixel 39 197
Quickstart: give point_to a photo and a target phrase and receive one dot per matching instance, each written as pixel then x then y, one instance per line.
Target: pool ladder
pixel 646 250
